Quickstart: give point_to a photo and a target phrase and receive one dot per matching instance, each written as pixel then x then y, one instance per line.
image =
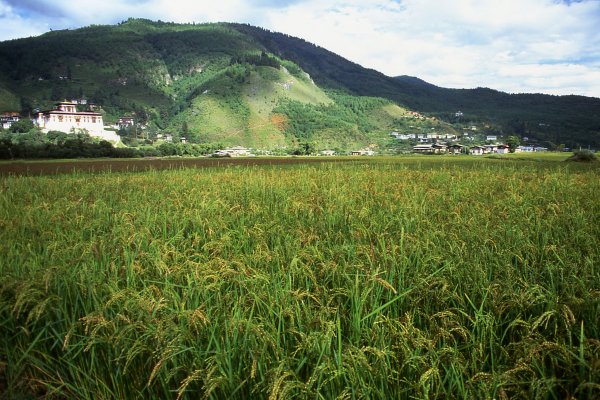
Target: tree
pixel 185 129
pixel 57 137
pixel 167 149
pixel 26 106
pixel 31 138
pixel 5 146
pixel 304 149
pixel 21 126
pixel 583 156
pixel 513 142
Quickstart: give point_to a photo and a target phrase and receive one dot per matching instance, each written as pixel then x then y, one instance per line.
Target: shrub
pixel 583 156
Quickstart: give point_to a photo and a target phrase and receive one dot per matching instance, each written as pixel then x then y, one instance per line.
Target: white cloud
pixel 460 43
pixel 13 26
pixel 517 46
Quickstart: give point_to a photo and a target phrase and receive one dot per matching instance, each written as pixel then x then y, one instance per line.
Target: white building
pixel 7 119
pixel 403 136
pixel 65 118
pixel 364 152
pixel 430 148
pixel 441 136
pixel 503 149
pixel 237 151
pixel 125 122
pixel 477 150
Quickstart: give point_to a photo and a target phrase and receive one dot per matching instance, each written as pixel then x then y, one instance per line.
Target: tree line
pixel 23 140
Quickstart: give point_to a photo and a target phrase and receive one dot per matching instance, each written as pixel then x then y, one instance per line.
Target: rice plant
pixel 386 278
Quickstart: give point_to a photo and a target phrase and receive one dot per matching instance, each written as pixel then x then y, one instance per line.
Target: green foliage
pixel 157 70
pixel 346 113
pixel 293 69
pixel 21 126
pixel 513 142
pixel 388 278
pixel 303 149
pixel 183 149
pixel 237 74
pixel 573 120
pixel 583 156
pixel 263 59
pixel 31 137
pixel 55 144
pixel 56 136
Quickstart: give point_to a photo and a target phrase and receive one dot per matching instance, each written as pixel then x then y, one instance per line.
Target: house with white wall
pixel 7 119
pixel 237 151
pixel 65 117
pixel 477 150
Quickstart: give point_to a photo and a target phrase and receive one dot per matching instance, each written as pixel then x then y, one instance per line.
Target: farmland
pixel 408 277
pixel 51 167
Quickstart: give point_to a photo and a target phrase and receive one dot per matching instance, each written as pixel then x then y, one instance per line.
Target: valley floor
pixel 398 277
pixel 67 166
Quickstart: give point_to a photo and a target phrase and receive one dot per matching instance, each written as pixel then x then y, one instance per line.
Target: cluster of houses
pixel 65 117
pixel 423 137
pixel 436 148
pixel 432 143
pixel 237 151
pixel 363 152
pixel 434 137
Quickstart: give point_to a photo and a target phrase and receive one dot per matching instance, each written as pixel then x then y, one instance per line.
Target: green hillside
pixel 8 100
pixel 241 85
pixel 209 83
pixel 573 120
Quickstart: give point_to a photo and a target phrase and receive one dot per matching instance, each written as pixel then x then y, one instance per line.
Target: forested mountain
pixel 238 84
pixel 574 120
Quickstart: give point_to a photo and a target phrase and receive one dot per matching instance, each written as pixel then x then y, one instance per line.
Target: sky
pixel 516 46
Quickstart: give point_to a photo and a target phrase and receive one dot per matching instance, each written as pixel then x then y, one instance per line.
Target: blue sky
pixel 517 46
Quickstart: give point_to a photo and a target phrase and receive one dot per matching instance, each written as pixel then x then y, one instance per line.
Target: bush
pixel 583 156
pixel 21 126
pixel 149 151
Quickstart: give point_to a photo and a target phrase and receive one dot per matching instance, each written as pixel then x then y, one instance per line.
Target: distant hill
pixel 242 85
pixel 573 120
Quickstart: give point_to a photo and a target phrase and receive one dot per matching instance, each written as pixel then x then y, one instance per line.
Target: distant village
pixel 432 143
pixel 65 117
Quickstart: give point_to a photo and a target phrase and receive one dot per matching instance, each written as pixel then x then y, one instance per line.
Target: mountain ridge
pixel 163 71
pixel 550 117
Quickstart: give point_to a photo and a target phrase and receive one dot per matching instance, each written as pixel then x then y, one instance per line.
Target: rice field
pixel 407 278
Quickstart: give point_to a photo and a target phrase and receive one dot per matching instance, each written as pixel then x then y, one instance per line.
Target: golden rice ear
pixel 378 278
